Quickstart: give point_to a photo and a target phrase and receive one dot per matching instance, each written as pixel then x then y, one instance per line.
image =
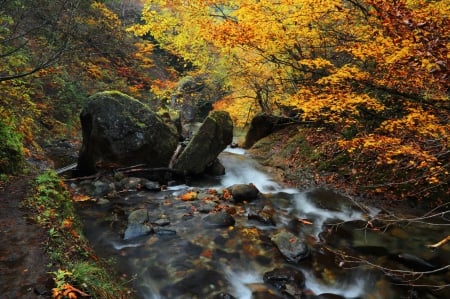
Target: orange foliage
pixel 377 71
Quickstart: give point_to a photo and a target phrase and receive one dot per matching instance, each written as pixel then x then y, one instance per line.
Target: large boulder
pixel 263 125
pixel 213 136
pixel 119 130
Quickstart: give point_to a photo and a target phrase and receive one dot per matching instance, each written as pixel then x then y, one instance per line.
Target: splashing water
pixel 240 281
pixel 305 208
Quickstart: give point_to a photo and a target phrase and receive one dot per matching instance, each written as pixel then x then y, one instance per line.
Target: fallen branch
pixel 154 174
pixel 440 243
pixel 405 277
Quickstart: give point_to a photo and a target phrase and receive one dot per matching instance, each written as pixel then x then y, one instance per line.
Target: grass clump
pixel 76 270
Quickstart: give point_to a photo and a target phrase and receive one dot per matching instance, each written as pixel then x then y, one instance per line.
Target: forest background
pixel 365 81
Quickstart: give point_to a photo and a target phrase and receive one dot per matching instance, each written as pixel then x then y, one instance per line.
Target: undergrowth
pixel 76 270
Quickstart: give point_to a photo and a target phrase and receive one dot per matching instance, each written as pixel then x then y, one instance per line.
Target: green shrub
pixel 11 150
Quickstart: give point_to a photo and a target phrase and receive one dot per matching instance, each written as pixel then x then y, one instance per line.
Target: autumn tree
pixel 53 54
pixel 373 71
pixel 33 36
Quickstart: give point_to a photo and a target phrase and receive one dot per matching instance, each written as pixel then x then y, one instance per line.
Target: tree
pixel 43 26
pixel 375 71
pixel 53 53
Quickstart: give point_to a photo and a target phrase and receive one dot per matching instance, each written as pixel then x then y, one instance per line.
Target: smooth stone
pixel 151 185
pixel 130 183
pixel 102 188
pixel 243 192
pixel 164 231
pixel 136 230
pixel 264 216
pixel 290 246
pixel 162 222
pixel 280 278
pixel 138 216
pixel 220 219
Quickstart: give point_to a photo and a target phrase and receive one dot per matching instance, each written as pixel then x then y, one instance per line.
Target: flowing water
pixel 184 258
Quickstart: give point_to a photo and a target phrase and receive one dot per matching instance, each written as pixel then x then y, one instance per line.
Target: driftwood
pixel 66 168
pixel 160 174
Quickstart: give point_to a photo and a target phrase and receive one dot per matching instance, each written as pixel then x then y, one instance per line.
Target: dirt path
pixel 23 263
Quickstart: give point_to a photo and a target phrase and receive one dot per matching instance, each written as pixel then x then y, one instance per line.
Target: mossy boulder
pixel 213 136
pixel 119 130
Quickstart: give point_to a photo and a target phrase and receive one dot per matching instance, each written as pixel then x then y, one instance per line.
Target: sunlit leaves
pixel 407 39
pixel 375 68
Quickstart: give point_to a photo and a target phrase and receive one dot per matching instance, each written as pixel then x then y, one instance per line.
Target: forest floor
pixel 24 263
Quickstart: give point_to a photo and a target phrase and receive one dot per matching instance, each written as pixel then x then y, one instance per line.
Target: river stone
pixel 264 215
pixel 220 219
pixel 162 222
pixel 243 192
pixel 291 247
pixel 138 217
pixel 130 183
pixel 286 280
pixel 119 131
pixel 151 185
pixel 136 230
pixel 212 138
pixel 161 231
pixel 206 206
pixel 216 168
pixel 102 188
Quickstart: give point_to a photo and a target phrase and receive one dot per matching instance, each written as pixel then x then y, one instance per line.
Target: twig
pixel 440 243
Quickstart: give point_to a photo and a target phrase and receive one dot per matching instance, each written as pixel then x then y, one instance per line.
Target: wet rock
pixel 414 262
pixel 262 125
pixel 103 201
pixel 136 230
pixel 216 168
pixel 243 192
pixel 137 225
pixel 324 199
pixel 220 219
pixel 138 216
pixel 162 222
pixel 101 188
pixel 151 185
pixel 160 231
pixel 212 138
pixel 206 206
pixel 118 130
pixel 264 215
pixel 286 280
pixel 290 246
pixel 130 183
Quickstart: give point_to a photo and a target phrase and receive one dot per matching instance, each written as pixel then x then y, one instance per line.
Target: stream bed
pixel 198 241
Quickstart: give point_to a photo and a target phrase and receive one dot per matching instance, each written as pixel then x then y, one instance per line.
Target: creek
pixel 350 251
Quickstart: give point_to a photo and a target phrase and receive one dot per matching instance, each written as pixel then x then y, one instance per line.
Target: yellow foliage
pixel 374 66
